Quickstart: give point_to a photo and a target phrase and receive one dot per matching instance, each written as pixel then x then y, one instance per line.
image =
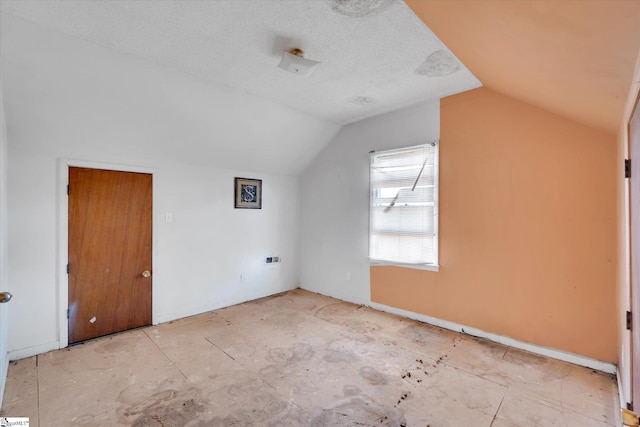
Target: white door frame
pixel 63 237
pixel 4 247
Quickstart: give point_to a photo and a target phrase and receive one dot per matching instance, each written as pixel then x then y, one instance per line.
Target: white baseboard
pixel 565 356
pixel 623 403
pixel 23 353
pixel 3 378
pixel 194 311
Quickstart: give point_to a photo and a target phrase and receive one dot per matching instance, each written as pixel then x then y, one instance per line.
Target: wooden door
pixel 109 252
pixel 634 212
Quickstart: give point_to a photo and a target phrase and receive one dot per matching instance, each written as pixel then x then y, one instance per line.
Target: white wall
pixel 68 99
pixel 334 220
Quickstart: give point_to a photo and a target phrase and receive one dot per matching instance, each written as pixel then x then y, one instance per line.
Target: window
pixel 403 226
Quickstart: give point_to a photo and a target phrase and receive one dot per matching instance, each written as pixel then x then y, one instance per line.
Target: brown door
pixel 634 203
pixel 109 252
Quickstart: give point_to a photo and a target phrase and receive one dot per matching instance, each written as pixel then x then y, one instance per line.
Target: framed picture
pixel 248 193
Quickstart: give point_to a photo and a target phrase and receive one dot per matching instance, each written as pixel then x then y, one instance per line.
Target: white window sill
pixel 428 267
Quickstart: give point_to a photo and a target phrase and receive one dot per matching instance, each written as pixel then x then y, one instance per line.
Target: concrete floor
pixel 302 359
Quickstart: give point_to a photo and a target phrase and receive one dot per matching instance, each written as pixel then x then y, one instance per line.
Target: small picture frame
pixel 248 193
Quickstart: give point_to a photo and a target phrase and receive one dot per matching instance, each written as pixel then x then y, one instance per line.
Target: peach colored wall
pixel 527 228
pixel 546 53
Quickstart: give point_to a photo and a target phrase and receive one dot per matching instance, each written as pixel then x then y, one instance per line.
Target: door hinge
pixel 68 269
pixel 629 318
pixel 67 190
pixel 630 406
pixel 67 313
pixel 627 168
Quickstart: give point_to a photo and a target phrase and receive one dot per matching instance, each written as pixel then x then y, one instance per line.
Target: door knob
pixel 5 296
pixel 146 274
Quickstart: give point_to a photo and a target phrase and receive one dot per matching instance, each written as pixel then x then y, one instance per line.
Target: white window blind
pixel 403 226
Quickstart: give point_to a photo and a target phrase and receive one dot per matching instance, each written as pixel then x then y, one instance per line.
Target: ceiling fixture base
pixel 294 62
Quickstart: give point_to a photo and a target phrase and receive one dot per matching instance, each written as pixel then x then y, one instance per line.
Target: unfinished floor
pixel 302 359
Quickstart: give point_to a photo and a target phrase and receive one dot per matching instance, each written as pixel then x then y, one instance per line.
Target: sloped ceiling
pixel 369 51
pixel 575 58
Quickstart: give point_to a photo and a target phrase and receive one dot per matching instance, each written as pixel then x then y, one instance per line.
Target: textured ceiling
pixel 376 55
pixel 575 58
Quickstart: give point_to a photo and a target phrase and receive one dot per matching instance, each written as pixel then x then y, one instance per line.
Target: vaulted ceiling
pixel 575 58
pixel 375 56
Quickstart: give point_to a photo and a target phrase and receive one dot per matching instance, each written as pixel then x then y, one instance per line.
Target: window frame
pixel 435 266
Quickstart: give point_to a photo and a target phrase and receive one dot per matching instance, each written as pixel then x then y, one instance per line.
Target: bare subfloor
pixel 302 359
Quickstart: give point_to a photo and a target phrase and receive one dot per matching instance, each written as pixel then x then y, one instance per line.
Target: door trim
pixel 628 336
pixel 62 281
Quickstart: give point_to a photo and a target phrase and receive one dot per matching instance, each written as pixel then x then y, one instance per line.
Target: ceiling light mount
pixel 293 61
pixel 297 52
